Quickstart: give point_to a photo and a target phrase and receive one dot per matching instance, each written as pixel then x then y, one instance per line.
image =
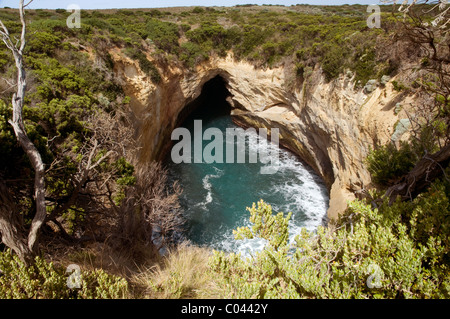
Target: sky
pixel 108 4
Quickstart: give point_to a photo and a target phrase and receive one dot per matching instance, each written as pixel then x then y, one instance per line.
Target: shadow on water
pixel 209 105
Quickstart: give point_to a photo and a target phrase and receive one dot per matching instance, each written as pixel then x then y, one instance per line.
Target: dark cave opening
pixel 211 103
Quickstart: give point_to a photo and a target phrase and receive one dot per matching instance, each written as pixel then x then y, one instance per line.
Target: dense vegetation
pixel 404 247
pixel 337 37
pixel 44 280
pixel 74 115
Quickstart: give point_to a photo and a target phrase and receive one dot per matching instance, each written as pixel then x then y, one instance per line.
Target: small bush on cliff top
pixel 387 163
pixel 165 35
pixel 145 64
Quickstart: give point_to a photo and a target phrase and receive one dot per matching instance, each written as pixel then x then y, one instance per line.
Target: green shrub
pixel 332 61
pixel 43 42
pixel 145 64
pixel 364 65
pixel 62 116
pixel 398 86
pixel 373 253
pixel 273 228
pixel 155 13
pixel 299 70
pixel 387 163
pixel 212 36
pixel 7 137
pixel 43 14
pixel 56 80
pixel 192 54
pixel 269 52
pixel 198 10
pixel 164 35
pixel 251 38
pixel 50 26
pixel 104 24
pixel 185 27
pixel 43 280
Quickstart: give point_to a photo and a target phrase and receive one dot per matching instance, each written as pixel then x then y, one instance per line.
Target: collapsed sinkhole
pixel 215 194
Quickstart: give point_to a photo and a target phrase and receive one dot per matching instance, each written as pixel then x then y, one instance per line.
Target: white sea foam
pixel 208 187
pixel 294 187
pixel 246 247
pixel 303 193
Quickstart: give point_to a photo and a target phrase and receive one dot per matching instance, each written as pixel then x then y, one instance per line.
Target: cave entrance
pixel 211 103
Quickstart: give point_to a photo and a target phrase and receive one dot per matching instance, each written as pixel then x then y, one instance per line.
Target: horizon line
pixel 7 5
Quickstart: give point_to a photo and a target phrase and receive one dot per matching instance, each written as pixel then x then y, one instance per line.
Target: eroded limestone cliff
pixel 330 125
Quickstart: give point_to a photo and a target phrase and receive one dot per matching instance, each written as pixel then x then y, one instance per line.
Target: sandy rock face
pixel 331 125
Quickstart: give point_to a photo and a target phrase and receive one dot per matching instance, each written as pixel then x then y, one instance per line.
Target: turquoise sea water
pixel 215 196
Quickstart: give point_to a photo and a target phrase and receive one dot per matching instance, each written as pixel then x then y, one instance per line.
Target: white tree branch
pixel 19 128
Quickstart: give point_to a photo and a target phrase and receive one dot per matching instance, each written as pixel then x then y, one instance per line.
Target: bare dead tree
pixel 441 7
pixel 91 185
pixel 17 123
pixel 149 214
pixel 425 25
pixel 150 207
pixel 424 172
pixel 127 218
pixel 425 28
pixel 431 119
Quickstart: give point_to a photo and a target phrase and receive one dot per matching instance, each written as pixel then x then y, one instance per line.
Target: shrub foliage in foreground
pixel 373 253
pixel 45 280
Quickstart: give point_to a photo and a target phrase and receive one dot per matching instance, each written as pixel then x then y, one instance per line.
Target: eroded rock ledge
pixel 331 126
